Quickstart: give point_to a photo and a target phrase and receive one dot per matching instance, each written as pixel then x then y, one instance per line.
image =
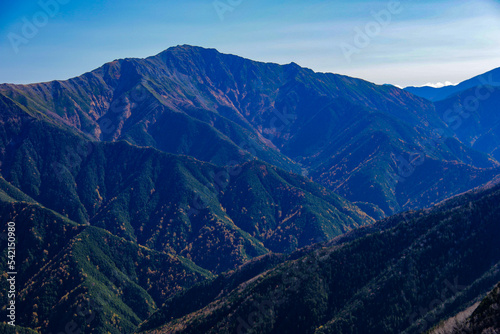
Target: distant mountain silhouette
pixel 490 78
pixel 354 137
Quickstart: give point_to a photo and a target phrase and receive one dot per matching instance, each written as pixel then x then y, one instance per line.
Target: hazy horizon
pixel 404 43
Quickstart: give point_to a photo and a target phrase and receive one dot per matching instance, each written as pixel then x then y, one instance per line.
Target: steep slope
pixel 211 87
pixel 119 282
pixel 417 269
pixel 65 269
pixel 474 118
pixel 162 209
pixel 204 293
pixel 483 317
pixel 486 318
pixel 170 203
pixel 301 214
pixel 150 104
pixel 383 157
pixel 225 109
pixel 490 78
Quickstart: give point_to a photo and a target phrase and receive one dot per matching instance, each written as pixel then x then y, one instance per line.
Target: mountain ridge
pixel 490 78
pixel 226 110
pixel 409 293
pixel 198 180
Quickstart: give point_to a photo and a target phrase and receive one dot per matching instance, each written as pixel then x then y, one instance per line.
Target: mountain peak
pixel 186 48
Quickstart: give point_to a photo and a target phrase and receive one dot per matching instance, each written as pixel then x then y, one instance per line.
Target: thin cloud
pixel 438 84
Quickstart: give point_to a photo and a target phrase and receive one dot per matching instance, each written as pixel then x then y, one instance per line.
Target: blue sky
pixel 424 42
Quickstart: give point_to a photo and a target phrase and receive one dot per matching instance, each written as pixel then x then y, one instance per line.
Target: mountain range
pixel 353 137
pixel 172 194
pixel 401 275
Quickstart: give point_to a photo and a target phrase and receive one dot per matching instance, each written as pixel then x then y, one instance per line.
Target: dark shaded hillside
pixel 170 203
pixel 404 279
pixel 65 269
pixel 132 225
pixel 382 156
pixel 302 213
pixel 344 132
pixel 7 329
pixel 204 293
pixel 68 268
pixel 475 118
pixel 486 318
pixel 481 318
